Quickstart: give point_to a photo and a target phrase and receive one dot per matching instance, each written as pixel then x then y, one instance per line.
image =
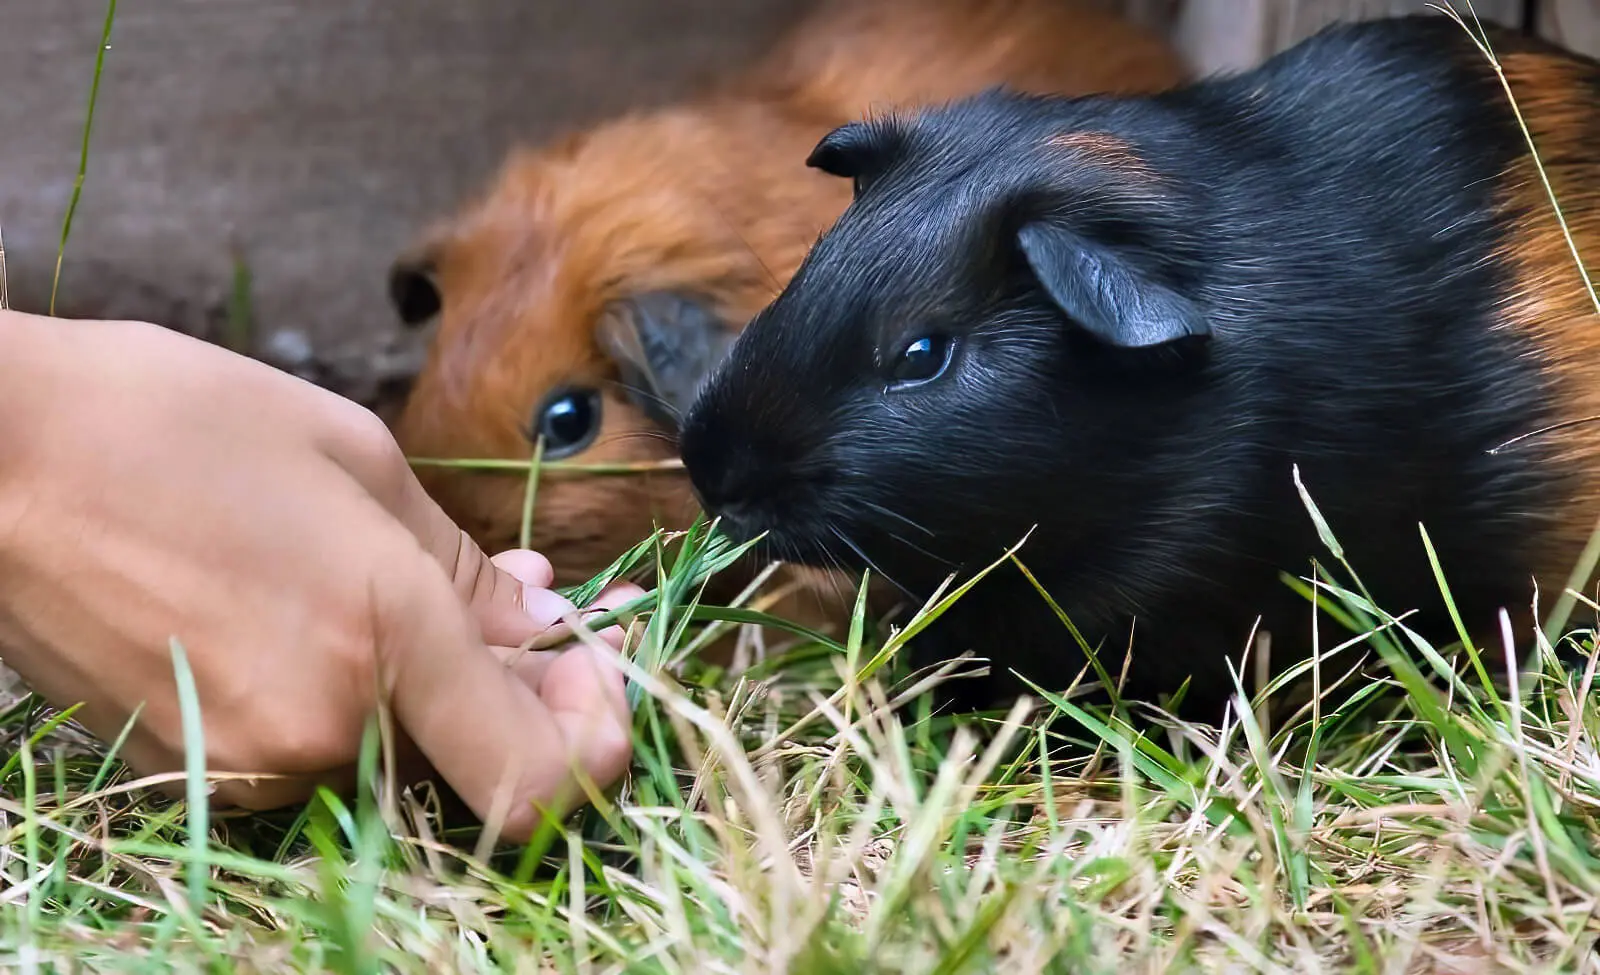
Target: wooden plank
pixel 1574 24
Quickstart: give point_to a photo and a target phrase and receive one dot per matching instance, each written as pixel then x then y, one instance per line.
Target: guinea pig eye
pixel 568 420
pixel 925 359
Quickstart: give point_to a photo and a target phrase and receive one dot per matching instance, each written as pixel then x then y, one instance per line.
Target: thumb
pixel 495 598
pixel 498 743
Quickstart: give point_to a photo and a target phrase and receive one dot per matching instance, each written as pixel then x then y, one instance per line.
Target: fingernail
pixel 524 565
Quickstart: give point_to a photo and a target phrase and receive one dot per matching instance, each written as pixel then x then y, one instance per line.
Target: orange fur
pixel 710 196
pixel 1550 299
pixel 851 56
pixel 1104 150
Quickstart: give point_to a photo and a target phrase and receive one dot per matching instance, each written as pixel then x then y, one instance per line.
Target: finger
pixel 528 666
pixel 614 596
pixel 489 737
pixel 592 675
pixel 563 632
pixel 410 766
pixel 572 682
pixel 261 794
pixel 493 595
pixel 530 567
pixel 149 755
pixel 588 696
pixel 545 607
pixel 532 666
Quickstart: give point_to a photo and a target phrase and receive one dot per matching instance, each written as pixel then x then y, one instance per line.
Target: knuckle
pixel 455 555
pixel 365 436
pixel 483 578
pixel 306 743
pixel 320 727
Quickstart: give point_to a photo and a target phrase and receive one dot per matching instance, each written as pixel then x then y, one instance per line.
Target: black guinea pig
pixel 1121 323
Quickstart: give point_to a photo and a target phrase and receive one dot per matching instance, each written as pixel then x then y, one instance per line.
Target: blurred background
pixel 283 151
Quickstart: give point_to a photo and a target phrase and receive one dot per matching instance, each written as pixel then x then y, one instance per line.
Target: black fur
pixel 1300 271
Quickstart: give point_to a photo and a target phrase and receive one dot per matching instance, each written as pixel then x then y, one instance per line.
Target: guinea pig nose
pixel 729 486
pixel 728 481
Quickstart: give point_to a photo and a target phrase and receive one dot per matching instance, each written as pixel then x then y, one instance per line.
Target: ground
pixel 788 819
pixel 803 812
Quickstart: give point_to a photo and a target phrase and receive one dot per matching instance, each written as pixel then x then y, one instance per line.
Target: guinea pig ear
pixel 857 151
pixel 1102 292
pixel 414 290
pixel 663 344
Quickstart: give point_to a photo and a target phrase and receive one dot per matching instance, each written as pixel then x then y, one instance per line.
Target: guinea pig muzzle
pixel 731 482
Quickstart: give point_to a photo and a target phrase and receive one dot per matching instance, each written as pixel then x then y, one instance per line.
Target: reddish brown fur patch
pixel 711 197
pixel 1109 153
pixel 1100 148
pixel 1551 300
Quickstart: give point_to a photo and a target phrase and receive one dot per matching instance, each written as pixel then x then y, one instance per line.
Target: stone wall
pixel 304 140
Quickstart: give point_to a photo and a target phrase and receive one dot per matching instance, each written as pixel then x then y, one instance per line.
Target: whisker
pixel 870 564
pixel 677 414
pixel 837 572
pixel 836 569
pixel 895 515
pixel 908 543
pixel 654 435
pixel 772 279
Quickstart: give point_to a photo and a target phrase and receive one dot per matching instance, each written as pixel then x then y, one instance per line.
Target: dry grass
pixel 784 818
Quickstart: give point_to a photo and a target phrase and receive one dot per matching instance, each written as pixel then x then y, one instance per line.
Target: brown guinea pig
pixel 583 295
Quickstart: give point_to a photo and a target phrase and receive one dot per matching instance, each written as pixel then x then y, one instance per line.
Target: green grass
pixel 83 154
pixel 5 295
pixel 1412 816
pixel 784 819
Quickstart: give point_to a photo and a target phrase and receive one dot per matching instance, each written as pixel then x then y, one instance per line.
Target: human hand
pixel 153 486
